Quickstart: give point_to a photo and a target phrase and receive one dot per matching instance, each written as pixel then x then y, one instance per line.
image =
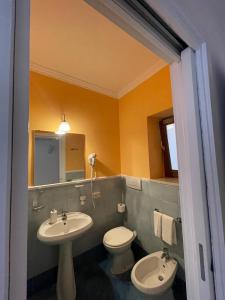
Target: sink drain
pixel 160 278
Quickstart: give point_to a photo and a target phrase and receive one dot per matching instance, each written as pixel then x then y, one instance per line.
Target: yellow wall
pixel 149 98
pixel 89 113
pixel 117 130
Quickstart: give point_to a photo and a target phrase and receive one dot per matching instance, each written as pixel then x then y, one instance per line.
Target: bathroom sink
pixel 58 233
pixel 154 275
pixel 62 233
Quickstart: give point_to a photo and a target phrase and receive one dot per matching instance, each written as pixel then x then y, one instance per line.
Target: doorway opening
pixel 117 94
pixel 102 165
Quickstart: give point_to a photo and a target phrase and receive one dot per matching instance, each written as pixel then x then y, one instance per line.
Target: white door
pixel 46 162
pixel 194 210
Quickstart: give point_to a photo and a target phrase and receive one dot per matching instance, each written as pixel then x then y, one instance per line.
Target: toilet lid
pixel 118 236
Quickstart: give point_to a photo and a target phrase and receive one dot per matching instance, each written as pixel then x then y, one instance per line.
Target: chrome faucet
pixel 165 253
pixel 64 216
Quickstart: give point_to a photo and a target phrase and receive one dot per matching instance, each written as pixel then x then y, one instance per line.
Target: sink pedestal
pixel 63 233
pixel 66 288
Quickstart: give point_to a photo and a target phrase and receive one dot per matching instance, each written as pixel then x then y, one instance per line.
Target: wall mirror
pixel 57 158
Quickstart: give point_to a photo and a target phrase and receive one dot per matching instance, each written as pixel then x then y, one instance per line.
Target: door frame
pixel 18 212
pixel 192 183
pixel 7 12
pixel 14 37
pixel 211 172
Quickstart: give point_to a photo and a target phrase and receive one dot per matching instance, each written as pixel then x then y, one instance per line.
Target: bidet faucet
pixel 165 253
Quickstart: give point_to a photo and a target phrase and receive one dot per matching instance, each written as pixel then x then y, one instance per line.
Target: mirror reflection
pixel 57 158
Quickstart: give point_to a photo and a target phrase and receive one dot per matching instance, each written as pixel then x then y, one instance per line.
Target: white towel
pixel 158 224
pixel 169 234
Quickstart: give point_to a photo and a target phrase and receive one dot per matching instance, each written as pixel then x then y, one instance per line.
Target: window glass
pixel 171 136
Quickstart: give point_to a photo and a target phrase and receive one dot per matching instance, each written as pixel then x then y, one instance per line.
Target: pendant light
pixel 64 126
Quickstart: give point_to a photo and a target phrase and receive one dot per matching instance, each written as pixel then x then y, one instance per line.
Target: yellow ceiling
pixel 71 41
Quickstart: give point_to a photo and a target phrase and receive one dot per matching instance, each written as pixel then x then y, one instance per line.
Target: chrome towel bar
pixel 177 220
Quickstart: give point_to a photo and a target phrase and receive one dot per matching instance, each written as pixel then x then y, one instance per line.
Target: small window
pixel 169 146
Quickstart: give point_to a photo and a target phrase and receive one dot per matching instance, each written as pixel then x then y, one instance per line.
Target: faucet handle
pixel 165 253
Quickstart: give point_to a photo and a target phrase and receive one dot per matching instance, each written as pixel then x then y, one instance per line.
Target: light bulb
pixel 64 127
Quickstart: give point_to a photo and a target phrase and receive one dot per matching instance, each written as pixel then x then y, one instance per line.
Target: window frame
pixel 169 172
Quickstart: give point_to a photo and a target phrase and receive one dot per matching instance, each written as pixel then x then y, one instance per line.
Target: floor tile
pixel 95 282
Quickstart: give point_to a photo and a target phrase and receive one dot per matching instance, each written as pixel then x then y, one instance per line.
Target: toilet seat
pixel 118 237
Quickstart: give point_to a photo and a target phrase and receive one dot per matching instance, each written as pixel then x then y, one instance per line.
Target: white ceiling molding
pixel 71 79
pixel 156 67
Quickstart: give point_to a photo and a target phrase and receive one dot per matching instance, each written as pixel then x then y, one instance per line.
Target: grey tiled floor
pixel 123 289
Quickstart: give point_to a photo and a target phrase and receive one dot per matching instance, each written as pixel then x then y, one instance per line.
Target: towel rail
pixel 177 220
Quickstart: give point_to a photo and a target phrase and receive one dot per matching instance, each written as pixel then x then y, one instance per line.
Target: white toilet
pixel 118 243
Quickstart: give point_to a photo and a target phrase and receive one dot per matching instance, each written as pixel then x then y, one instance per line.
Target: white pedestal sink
pixel 62 233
